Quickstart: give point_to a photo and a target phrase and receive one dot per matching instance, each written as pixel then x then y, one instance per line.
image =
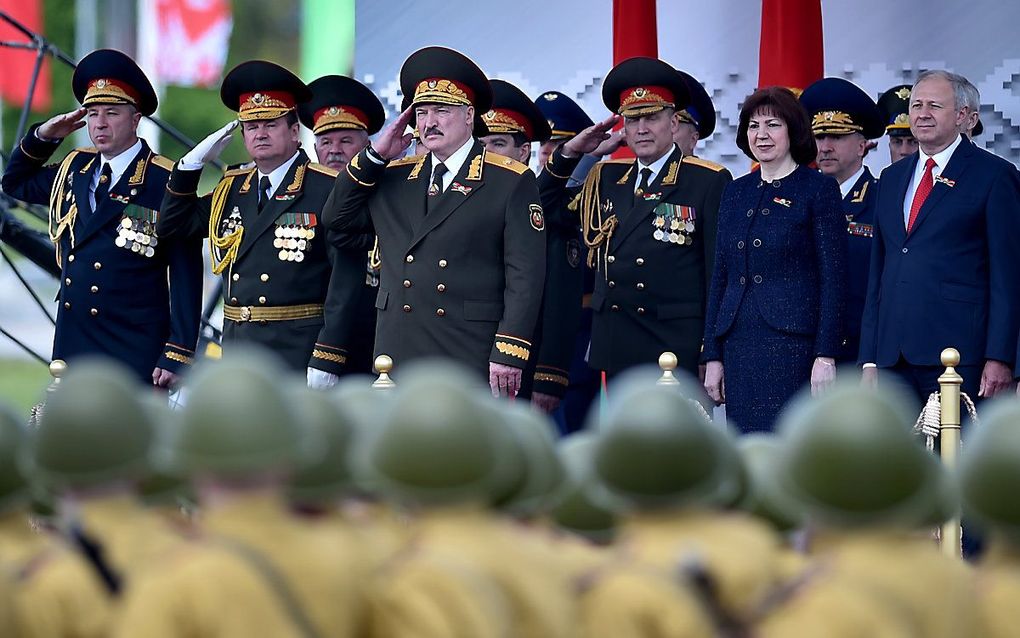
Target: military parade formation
pixel 527 470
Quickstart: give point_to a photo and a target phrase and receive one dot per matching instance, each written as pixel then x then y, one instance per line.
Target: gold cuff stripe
pixel 242 314
pixel 351 175
pixel 512 350
pixel 179 358
pixel 329 356
pixel 553 378
pixel 22 145
pixel 518 339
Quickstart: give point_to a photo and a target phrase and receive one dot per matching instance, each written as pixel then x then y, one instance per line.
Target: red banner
pixel 193 37
pixel 791 52
pixel 16 64
pixel 635 33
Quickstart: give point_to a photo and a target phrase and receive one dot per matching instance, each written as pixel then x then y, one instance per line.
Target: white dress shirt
pixel 656 167
pixel 453 163
pixel 941 159
pixel 118 166
pixel 276 177
pixel 848 185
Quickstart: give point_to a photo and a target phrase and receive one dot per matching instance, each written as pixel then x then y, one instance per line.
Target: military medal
pixel 137 231
pixel 294 232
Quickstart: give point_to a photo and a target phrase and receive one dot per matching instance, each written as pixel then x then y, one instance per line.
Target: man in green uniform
pixel 264 226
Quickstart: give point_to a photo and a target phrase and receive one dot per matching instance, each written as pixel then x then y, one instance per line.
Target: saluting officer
pixel 263 222
pixel 843 119
pixel 460 229
pixel 697 119
pixel 124 293
pixel 342 114
pixel 895 107
pixel 649 226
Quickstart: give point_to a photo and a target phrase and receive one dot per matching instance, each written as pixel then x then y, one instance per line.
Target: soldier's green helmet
pixel 437 442
pixel 329 478
pixel 989 471
pixel 577 512
pixel 160 488
pixel 657 449
pixel 93 430
pixel 540 474
pixel 365 407
pixel 764 498
pixel 14 491
pixel 238 420
pixel 849 459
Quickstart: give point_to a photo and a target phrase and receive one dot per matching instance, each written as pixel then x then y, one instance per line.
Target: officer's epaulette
pixel 238 170
pixel 508 163
pixel 162 162
pixel 86 149
pixel 404 161
pixel 321 168
pixel 697 161
pixel 619 160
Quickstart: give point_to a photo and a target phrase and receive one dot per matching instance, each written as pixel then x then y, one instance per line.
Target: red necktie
pixel 923 189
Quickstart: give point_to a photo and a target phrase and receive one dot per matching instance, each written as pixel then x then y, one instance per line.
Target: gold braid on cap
pixel 104 91
pixel 336 117
pixel 642 101
pixel 440 92
pixel 499 122
pixel 262 107
pixel 902 121
pixel 834 123
pixel 686 117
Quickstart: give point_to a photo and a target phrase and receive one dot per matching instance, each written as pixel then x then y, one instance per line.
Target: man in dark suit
pixel 263 223
pixel 649 226
pixel 342 114
pixel 943 266
pixel 843 119
pixel 460 229
pixel 124 293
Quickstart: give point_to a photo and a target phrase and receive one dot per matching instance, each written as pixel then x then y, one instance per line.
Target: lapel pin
pixel 942 180
pixel 782 201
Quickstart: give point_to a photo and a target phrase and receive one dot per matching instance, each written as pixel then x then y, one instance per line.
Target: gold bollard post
pixel 383 367
pixel 949 440
pixel 667 363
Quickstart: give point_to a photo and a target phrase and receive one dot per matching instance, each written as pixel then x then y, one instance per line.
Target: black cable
pixel 21 278
pixel 24 347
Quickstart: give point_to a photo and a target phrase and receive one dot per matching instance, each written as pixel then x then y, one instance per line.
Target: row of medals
pixel 137 236
pixel 293 241
pixel 677 229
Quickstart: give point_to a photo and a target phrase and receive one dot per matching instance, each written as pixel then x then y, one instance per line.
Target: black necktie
pixel 646 175
pixel 103 187
pixel 436 187
pixel 265 191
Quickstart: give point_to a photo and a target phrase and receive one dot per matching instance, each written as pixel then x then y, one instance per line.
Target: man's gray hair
pixel 961 93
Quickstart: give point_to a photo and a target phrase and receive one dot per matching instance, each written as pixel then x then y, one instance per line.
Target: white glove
pixel 208 149
pixel 321 380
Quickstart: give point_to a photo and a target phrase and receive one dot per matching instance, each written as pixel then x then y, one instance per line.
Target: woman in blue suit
pixel 774 316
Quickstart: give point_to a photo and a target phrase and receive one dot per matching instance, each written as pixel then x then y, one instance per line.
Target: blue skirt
pixel 763 368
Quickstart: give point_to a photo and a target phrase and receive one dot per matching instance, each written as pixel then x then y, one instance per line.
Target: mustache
pixel 334 157
pixel 432 130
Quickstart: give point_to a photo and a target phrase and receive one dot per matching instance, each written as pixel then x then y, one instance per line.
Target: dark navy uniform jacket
pixel 463 281
pixel 781 247
pixel 954 281
pixel 139 307
pixel 859 206
pixel 263 272
pixel 650 292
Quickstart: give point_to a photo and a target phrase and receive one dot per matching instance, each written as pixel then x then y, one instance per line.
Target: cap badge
pixel 333 110
pixel 903 93
pixel 433 84
pixel 258 98
pixel 639 92
pixel 550 96
pixel 101 84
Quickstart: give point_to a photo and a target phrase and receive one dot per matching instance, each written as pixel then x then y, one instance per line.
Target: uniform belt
pixel 242 314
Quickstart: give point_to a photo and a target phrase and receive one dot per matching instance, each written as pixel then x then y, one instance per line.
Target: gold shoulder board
pixel 321 168
pixel 505 162
pixel 697 161
pixel 163 162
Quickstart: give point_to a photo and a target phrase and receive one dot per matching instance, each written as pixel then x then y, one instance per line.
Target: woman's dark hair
pixel 783 104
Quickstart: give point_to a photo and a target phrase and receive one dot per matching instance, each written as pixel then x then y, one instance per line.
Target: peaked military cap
pixel 513 112
pixel 341 103
pixel 563 115
pixel 642 86
pixel 261 90
pixel 840 107
pixel 107 76
pixel 437 75
pixel 700 112
pixel 895 107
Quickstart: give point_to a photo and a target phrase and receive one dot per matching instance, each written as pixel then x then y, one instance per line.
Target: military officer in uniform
pixel 514 123
pixel 697 120
pixel 280 287
pixel 124 293
pixel 461 230
pixel 843 119
pixel 650 226
pixel 342 114
pixel 895 107
pixel 565 118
